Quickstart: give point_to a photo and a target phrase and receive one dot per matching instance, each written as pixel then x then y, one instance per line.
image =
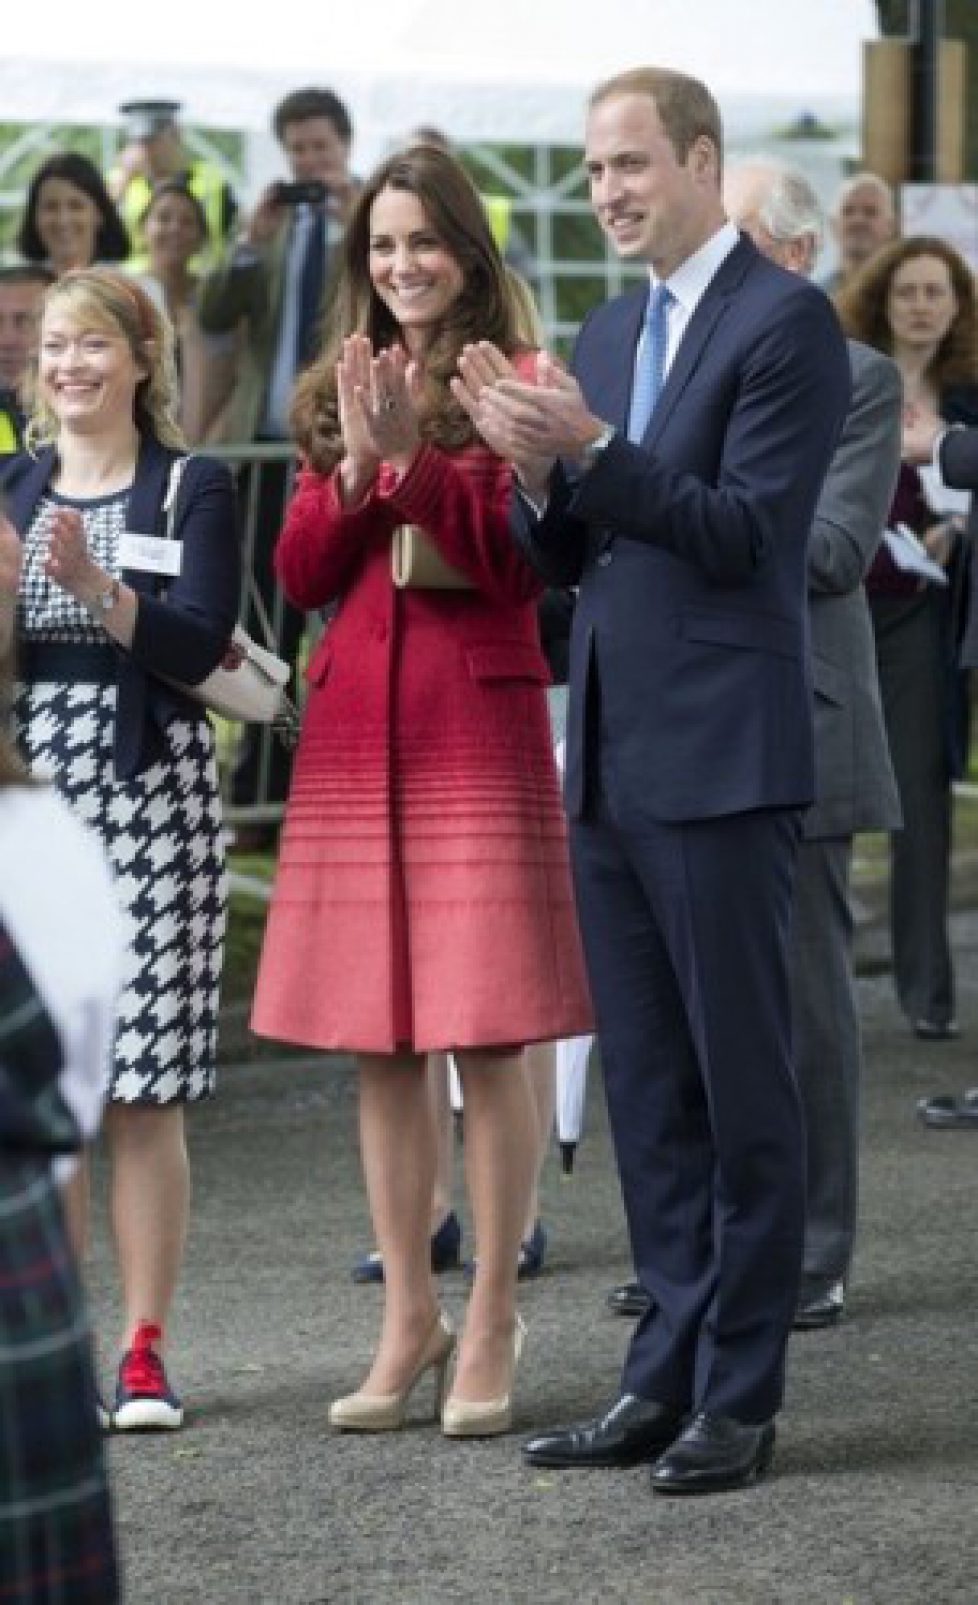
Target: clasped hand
pixel 69 562
pixel 530 424
pixel 379 397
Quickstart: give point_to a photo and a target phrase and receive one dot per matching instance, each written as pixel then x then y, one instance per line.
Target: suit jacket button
pixel 604 558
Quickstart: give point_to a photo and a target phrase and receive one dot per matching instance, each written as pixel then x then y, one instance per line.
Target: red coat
pixel 423 896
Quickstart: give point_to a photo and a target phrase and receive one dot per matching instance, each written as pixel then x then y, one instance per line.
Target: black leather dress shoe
pixel 633 1430
pixel 628 1298
pixel 820 1309
pixel 936 1030
pixel 951 1114
pixel 714 1452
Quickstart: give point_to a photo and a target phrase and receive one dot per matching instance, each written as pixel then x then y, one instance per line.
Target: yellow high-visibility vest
pixel 9 439
pixel 499 211
pixel 207 185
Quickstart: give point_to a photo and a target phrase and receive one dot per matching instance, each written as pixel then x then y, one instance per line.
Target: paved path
pixel 874 1498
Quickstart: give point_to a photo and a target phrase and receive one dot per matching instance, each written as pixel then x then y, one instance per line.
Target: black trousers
pixel 914 690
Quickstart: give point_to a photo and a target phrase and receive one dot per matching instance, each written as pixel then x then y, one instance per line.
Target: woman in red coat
pixel 423 899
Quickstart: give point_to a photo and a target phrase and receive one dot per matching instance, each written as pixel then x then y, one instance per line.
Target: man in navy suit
pixel 673 477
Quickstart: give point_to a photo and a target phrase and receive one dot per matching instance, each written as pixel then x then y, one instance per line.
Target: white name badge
pixel 153 554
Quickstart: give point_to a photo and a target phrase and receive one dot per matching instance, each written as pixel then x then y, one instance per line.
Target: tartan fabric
pixel 56 1545
pixel 33 1114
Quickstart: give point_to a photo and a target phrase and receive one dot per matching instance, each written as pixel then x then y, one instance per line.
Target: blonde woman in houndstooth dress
pixel 98 626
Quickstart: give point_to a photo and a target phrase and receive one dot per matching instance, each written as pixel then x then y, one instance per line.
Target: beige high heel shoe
pixel 462 1418
pixel 386 1412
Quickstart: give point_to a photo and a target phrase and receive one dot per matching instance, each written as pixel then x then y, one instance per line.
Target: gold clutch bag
pixel 417 564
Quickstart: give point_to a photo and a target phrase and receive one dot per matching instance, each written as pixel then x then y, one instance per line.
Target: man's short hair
pixel 687 110
pixel 302 104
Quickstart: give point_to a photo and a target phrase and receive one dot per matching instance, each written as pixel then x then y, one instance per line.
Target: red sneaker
pixel 143 1398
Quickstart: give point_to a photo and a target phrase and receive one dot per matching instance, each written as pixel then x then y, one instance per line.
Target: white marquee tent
pixel 508 70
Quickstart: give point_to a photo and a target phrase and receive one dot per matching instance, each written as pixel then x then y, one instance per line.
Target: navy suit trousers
pixel 686 928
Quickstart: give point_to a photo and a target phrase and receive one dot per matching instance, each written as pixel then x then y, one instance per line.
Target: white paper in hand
pixel 940 498
pixel 911 556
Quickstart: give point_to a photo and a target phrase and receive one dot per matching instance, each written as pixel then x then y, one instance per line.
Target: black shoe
pixel 714 1452
pixel 533 1251
pixel 820 1309
pixel 951 1114
pixel 936 1030
pixel 446 1255
pixel 628 1298
pixel 633 1430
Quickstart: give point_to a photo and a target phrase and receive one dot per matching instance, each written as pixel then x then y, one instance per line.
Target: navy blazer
pixel 690 548
pixel 183 635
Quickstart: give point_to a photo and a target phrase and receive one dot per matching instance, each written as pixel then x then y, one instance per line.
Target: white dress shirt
pixel 689 284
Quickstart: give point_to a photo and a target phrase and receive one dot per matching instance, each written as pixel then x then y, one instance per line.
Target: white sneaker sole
pixel 142 1415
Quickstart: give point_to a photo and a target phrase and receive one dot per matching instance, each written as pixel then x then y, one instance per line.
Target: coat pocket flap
pixel 756 632
pixel 507 660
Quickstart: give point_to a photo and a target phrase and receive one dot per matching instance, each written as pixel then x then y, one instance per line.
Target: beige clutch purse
pixel 417 564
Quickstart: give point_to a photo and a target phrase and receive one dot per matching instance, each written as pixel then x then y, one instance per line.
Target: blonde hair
pixel 116 303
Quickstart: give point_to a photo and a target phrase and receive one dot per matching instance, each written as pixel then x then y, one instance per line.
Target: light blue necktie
pixel 650 370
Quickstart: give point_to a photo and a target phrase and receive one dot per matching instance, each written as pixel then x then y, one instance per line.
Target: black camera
pixel 304 192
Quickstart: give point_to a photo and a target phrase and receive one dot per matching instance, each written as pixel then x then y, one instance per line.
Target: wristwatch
pixel 106 600
pixel 592 451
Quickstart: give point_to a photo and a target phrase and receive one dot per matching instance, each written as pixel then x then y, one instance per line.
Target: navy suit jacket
pixel 690 548
pixel 183 635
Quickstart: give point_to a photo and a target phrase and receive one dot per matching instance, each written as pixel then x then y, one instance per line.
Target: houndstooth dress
pixel 161 830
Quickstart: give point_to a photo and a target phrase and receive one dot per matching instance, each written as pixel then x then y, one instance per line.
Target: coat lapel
pixel 709 309
pixel 609 385
pixel 24 495
pixel 143 515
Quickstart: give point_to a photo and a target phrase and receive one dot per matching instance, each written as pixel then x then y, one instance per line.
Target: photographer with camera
pixel 275 283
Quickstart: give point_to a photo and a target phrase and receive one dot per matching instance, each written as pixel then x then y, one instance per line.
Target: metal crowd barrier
pixel 257 469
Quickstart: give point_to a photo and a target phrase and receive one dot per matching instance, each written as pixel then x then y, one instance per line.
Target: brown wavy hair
pixel 115 302
pixel 862 307
pixel 482 311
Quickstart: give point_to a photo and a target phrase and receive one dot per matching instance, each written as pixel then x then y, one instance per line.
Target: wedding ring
pixel 388 404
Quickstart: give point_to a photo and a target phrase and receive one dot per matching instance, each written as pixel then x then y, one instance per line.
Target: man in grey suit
pixel 855 787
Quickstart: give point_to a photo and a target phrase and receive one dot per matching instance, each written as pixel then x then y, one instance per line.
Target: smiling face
pixel 87 373
pixel 173 231
pixel 411 269
pixel 654 207
pixel 921 305
pixel 68 222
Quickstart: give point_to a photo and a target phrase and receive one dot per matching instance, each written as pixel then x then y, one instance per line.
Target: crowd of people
pixel 737 499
